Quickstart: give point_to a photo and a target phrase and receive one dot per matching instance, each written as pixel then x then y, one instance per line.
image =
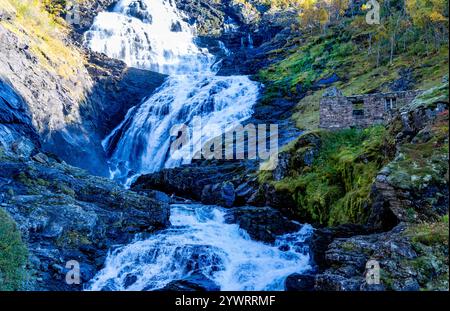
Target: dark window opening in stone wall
pixel 358 109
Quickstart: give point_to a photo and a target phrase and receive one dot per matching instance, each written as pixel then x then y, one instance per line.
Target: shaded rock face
pixel 65 214
pixel 53 102
pixel 402 193
pixel 138 9
pixel 16 129
pixel 72 115
pixel 117 88
pixel 261 223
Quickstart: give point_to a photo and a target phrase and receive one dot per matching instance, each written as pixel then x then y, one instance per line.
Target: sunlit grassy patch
pixel 45 34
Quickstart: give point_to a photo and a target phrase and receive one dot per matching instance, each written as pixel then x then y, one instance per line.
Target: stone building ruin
pixel 359 111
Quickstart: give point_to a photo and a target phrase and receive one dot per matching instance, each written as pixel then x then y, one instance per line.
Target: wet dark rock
pixel 16 130
pixel 138 9
pixel 300 282
pixel 65 214
pixel 130 279
pixel 118 86
pixel 261 223
pixel 68 125
pixel 176 27
pixel 219 194
pixel 192 257
pixel 195 282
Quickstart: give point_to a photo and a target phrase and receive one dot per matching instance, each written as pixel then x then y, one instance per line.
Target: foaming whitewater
pixel 142 142
pixel 148 34
pixel 200 242
pixel 152 34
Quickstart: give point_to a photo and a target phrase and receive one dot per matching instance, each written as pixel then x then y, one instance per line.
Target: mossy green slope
pixel 13 255
pixel 335 189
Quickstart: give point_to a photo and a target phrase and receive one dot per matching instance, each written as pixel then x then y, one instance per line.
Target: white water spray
pixel 200 242
pixel 152 34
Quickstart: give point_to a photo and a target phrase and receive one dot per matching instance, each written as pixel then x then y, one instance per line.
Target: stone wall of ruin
pixel 337 112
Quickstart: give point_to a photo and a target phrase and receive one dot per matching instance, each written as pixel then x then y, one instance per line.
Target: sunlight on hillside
pixel 45 34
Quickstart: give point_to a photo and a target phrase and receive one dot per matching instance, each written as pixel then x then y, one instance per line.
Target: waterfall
pixel 152 34
pixel 200 242
pixel 149 34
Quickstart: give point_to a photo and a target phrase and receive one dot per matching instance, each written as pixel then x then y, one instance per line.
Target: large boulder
pixel 300 282
pixel 219 194
pixel 410 258
pixel 214 183
pixel 261 223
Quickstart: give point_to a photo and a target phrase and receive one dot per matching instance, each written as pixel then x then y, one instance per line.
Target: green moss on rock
pixel 335 189
pixel 13 255
pixel 423 161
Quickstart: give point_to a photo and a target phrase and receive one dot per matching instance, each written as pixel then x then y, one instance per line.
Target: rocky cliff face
pixel 71 111
pixel 65 214
pixel 16 127
pixel 57 102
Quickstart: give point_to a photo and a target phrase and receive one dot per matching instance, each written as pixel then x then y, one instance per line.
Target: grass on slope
pixel 13 255
pixel 45 34
pixel 335 189
pixel 343 50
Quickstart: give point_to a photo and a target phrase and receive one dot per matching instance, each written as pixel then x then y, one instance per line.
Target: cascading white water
pixel 200 242
pixel 149 34
pixel 142 142
pixel 152 34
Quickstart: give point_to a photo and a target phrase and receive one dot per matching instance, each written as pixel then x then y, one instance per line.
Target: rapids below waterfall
pixel 201 242
pixel 154 35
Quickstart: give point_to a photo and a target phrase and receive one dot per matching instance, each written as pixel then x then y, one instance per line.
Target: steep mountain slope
pixel 378 193
pixel 71 93
pixel 379 179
